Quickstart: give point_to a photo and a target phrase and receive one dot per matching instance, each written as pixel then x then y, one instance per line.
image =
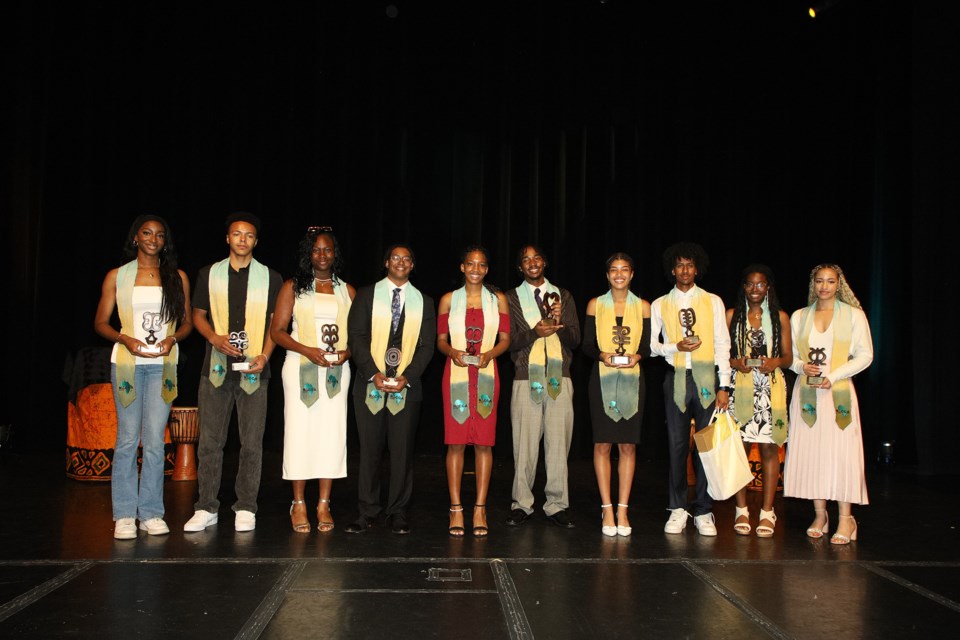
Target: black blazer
pixel 360 322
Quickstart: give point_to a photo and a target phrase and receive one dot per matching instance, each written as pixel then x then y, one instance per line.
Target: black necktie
pixel 536 296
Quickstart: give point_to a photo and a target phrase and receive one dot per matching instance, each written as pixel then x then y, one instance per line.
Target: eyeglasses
pixel 318 229
pixel 759 286
pixel 403 259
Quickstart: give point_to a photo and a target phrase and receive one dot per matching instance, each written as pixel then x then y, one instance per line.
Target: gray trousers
pixel 215 408
pixel 551 420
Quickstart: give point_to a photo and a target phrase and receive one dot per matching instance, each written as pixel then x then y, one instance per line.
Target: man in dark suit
pixel 392 331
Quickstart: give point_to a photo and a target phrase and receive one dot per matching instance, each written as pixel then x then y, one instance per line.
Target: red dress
pixel 474 430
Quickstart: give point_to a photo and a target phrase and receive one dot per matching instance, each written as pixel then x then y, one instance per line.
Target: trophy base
pixel 619 359
pixel 815 381
pixel 151 348
pixel 692 339
pixel 390 382
pixel 754 363
pixel 331 357
pixel 549 322
pixel 470 360
pixel 240 366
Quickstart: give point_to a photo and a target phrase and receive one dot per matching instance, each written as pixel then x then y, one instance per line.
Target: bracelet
pixel 174 339
pixel 119 335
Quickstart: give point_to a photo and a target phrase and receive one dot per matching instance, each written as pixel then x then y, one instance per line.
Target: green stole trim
pixel 380 338
pixel 460 376
pixel 619 388
pixel 840 352
pixel 305 314
pixel 743 385
pixel 545 363
pixel 258 287
pixel 126 362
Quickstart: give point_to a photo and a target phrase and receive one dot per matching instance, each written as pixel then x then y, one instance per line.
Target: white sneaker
pixel 246 521
pixel 201 520
pixel 155 526
pixel 705 524
pixel 125 529
pixel 677 522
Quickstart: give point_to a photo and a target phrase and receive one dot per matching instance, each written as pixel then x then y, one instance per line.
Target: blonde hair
pixel 844 292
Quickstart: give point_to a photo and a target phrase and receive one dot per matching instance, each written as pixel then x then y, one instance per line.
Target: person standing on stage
pixel 232 307
pixel 688 328
pixel 545 331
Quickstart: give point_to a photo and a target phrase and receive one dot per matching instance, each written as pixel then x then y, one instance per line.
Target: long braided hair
pixel 844 292
pixel 303 279
pixel 740 324
pixel 171 308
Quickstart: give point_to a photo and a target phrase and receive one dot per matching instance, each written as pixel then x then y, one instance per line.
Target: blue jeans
pixel 142 423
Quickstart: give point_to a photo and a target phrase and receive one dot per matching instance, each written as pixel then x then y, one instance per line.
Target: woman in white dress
pixel 310 322
pixel 831 344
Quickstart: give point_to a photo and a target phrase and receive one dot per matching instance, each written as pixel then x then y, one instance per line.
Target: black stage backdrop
pixel 586 126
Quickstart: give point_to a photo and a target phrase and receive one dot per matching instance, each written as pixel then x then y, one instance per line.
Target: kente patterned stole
pixel 619 388
pixel 702 359
pixel 743 383
pixel 460 376
pixel 842 332
pixel 258 285
pixel 305 314
pixel 546 356
pixel 126 362
pixel 380 340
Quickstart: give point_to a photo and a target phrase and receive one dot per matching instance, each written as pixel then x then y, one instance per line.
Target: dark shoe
pixel 399 524
pixel 359 525
pixel 454 530
pixel 562 519
pixel 517 517
pixel 480 530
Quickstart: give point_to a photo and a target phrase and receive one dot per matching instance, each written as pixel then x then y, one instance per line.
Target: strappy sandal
pixel 479 531
pixel 298 527
pixel 324 526
pixel 742 528
pixel 456 531
pixel 839 538
pixel 764 531
pixel 819 532
pixel 607 529
pixel 621 529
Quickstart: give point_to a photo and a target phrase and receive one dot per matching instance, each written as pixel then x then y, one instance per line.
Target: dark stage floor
pixel 63 575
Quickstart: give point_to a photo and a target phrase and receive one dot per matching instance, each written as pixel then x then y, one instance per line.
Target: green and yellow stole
pixel 546 355
pixel 743 384
pixel 305 314
pixel 258 286
pixel 460 376
pixel 842 333
pixel 703 358
pixel 380 339
pixel 619 388
pixel 126 361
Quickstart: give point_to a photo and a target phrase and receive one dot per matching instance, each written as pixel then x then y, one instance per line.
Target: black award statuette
pixel 621 338
pixel 392 360
pixel 757 348
pixel 472 357
pixel 151 324
pixel 546 308
pixel 816 357
pixel 330 336
pixel 239 340
pixel 688 318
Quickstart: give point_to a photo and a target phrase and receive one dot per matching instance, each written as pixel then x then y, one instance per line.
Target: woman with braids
pixel 152 299
pixel 831 344
pixel 310 322
pixel 616 337
pixel 760 349
pixel 473 328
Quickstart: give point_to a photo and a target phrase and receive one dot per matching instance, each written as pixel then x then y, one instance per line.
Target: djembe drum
pixel 184 425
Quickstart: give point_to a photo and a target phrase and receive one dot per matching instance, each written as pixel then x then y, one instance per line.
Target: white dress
pixel 314 438
pixel 824 461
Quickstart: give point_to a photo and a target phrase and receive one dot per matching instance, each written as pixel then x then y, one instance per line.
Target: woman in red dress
pixel 473 328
